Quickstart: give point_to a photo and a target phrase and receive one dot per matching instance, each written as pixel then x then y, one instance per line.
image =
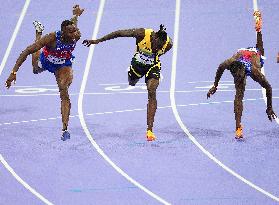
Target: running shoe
pixel 150 136
pixel 258 19
pixel 65 135
pixel 239 133
pixel 38 26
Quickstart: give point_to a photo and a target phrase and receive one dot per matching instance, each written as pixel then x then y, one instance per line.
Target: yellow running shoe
pixel 239 133
pixel 150 136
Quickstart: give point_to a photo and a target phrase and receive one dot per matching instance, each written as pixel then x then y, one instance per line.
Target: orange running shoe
pixel 239 133
pixel 258 19
pixel 150 136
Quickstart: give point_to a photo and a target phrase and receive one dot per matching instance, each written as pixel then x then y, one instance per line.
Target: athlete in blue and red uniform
pixel 56 57
pixel 246 62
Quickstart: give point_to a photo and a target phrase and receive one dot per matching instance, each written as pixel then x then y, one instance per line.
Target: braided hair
pixel 162 34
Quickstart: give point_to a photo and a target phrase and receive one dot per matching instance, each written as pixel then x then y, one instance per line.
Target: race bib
pixel 144 59
pixel 55 60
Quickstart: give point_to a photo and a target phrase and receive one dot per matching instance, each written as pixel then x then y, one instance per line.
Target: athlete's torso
pixel 246 58
pixel 144 53
pixel 61 52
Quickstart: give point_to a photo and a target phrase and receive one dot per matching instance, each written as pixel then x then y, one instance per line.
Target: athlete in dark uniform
pixel 56 57
pixel 150 46
pixel 246 62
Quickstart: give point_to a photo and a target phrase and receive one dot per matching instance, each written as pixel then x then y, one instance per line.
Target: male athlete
pixel 150 45
pixel 246 62
pixel 56 57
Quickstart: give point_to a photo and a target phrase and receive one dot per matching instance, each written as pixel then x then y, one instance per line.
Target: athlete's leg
pixel 133 75
pixel 132 79
pixel 64 77
pixel 152 85
pixel 35 56
pixel 238 104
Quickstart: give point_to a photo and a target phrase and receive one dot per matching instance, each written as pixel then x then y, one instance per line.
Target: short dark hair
pixel 162 34
pixel 65 23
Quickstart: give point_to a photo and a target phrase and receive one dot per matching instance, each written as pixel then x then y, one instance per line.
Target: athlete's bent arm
pixel 260 78
pixel 220 72
pixel 278 58
pixel 135 33
pixel 46 40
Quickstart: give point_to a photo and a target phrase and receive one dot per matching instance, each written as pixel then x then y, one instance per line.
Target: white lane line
pixel 130 92
pixel 181 124
pixel 82 120
pixel 119 84
pixel 21 181
pixel 209 81
pixel 130 110
pixel 255 5
pixel 12 40
pixel 3 63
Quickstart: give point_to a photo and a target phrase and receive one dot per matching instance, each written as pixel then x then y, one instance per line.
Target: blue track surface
pixel 173 167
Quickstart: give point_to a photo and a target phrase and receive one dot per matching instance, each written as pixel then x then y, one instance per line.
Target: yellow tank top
pixel 145 45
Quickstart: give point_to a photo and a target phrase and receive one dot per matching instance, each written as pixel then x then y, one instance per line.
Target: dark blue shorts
pixel 247 65
pixel 51 67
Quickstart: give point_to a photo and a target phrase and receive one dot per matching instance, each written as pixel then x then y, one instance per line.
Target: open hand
pixel 270 114
pixel 211 91
pixel 10 79
pixel 89 42
pixel 77 11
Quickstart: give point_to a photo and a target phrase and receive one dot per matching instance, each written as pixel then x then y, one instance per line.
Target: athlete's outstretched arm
pixel 77 11
pixel 220 71
pixel 278 58
pixel 135 33
pixel 45 40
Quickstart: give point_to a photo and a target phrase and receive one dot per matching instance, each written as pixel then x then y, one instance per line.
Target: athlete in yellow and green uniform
pixel 150 46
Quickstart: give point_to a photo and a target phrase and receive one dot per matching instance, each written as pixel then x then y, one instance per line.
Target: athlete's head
pixel 70 31
pixel 161 36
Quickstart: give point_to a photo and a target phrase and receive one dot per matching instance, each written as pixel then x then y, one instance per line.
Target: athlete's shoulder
pixel 48 39
pixel 148 29
pixel 139 33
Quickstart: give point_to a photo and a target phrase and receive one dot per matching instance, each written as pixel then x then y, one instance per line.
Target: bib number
pixel 144 59
pixel 55 60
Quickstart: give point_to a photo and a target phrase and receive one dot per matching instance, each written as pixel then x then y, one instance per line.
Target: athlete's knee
pixel 132 82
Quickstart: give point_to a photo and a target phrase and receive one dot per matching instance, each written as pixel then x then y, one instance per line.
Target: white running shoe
pixel 38 26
